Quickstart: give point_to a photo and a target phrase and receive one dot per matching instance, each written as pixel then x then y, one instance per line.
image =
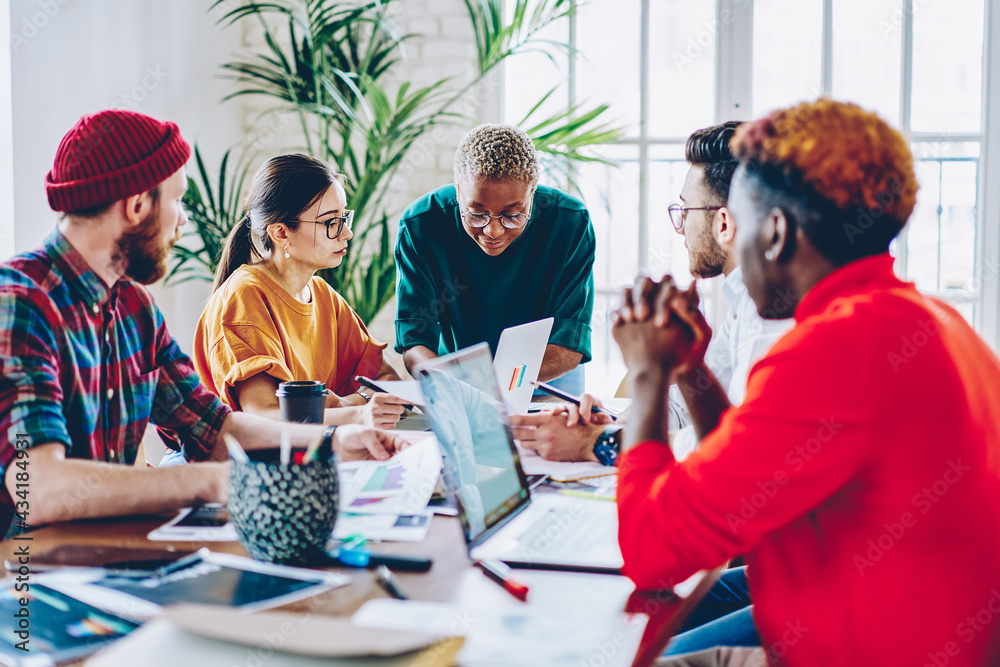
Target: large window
pixel 668 67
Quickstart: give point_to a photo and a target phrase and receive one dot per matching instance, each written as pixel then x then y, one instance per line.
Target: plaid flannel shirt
pixel 89 366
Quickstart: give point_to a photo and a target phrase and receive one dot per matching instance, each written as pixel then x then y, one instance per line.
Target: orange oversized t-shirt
pixel 251 325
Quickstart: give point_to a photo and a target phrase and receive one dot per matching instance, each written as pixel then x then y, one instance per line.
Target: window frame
pixel 733 90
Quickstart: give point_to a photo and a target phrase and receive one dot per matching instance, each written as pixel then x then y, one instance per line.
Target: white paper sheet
pixel 408 390
pixel 527 635
pixel 561 471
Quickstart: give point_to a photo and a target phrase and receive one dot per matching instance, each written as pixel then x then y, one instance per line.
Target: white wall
pixel 71 57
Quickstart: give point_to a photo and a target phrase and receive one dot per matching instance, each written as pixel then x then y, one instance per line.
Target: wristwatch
pixel 608 445
pixel 362 394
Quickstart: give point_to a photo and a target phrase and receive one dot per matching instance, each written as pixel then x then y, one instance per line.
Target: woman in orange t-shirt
pixel 272 320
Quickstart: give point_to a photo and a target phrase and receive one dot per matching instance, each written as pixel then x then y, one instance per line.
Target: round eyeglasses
pixel 335 225
pixel 678 212
pixel 479 220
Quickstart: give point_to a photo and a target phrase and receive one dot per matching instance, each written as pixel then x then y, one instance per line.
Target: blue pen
pixel 366 559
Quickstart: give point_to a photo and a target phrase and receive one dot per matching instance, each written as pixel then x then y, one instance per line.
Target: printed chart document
pixel 384 527
pixel 401 485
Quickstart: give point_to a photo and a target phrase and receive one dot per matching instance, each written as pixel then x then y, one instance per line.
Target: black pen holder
pixel 283 513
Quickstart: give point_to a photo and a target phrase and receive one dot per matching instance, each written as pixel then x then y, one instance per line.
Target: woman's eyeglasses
pixel 335 226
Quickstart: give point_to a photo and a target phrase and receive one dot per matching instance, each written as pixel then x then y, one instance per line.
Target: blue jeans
pixel 723 618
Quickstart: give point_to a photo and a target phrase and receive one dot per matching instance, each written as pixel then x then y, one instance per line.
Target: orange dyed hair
pixel 850 156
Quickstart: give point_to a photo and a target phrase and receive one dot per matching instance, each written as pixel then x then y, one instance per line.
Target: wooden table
pixel 444 543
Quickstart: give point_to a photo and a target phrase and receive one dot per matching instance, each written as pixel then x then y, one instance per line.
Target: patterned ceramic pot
pixel 283 514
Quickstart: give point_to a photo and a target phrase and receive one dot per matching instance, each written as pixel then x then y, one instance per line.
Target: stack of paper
pixel 387 500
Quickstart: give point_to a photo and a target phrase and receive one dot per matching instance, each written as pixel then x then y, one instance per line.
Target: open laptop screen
pixel 481 468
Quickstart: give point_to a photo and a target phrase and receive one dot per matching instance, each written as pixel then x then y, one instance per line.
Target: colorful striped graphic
pixel 515 382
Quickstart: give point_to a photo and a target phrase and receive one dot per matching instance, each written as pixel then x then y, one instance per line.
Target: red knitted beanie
pixel 111 155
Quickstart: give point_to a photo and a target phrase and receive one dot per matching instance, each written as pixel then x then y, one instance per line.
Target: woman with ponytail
pixel 270 319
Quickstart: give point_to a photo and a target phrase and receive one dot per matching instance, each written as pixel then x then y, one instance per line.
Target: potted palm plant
pixel 325 64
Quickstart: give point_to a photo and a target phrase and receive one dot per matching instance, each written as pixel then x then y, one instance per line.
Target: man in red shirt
pixel 857 476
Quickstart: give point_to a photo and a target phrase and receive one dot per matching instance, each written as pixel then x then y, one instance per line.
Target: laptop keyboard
pixel 565 531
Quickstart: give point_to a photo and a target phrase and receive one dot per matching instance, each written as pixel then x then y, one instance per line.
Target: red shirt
pixel 856 478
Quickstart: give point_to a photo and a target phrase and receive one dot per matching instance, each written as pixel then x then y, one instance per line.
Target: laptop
pixel 483 476
pixel 519 359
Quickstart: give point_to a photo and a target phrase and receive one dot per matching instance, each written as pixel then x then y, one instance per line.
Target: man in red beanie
pixel 86 360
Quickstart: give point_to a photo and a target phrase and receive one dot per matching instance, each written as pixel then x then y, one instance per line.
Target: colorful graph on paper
pixel 389 478
pixel 401 485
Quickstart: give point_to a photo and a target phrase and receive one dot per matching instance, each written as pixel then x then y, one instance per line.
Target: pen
pixel 549 389
pixel 500 573
pixel 235 451
pixel 286 446
pixel 365 382
pixel 386 580
pixel 362 558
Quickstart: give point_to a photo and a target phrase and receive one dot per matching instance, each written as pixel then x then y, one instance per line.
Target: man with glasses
pixel 740 340
pixel 492 251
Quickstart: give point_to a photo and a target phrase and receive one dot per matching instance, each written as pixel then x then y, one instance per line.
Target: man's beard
pixel 141 252
pixel 706 255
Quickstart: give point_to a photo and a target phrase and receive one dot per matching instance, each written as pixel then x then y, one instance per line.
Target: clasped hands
pixel 659 327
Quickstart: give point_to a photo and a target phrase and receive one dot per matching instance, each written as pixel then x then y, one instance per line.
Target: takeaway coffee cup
pixel 302 402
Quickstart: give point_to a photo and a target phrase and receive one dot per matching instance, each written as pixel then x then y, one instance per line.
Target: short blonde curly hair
pixel 496 151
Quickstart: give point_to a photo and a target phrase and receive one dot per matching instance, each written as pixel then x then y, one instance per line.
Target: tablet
pixel 205 577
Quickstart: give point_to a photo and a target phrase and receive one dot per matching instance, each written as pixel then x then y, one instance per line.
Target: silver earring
pixel 286 253
pixel 768 255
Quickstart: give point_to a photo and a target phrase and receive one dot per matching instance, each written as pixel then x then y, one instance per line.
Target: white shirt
pixel 741 341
